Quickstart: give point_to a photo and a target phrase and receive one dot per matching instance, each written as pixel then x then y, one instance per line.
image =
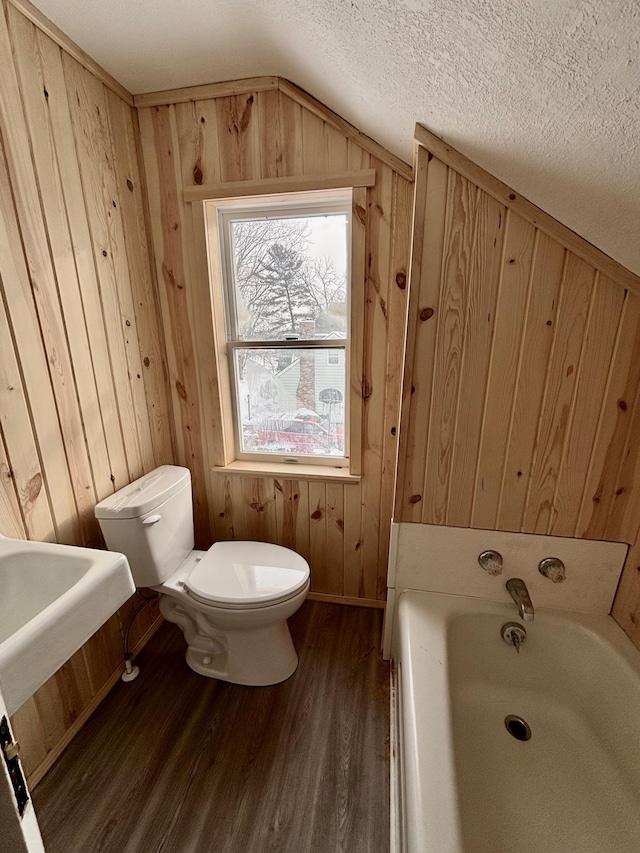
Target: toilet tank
pixel 150 521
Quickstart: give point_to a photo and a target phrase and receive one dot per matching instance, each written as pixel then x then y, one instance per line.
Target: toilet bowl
pixel 231 602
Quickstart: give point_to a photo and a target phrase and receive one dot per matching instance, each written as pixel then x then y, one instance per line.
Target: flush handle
pixel 152 519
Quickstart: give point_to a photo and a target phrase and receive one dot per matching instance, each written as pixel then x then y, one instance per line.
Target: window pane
pixel 290 277
pixel 291 401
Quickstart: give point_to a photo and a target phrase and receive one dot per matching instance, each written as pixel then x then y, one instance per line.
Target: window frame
pixel 225 453
pixel 253 208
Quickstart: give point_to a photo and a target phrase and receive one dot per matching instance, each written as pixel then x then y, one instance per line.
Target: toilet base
pixel 255 654
pixel 255 658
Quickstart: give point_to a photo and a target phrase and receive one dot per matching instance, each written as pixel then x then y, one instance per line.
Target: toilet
pixel 232 602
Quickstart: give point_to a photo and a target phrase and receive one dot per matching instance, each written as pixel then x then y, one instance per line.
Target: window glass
pixel 290 401
pixel 289 277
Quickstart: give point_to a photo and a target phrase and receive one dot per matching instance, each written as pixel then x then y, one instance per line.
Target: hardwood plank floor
pixel 179 763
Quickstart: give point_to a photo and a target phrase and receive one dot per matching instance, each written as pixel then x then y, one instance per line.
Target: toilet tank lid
pixel 144 494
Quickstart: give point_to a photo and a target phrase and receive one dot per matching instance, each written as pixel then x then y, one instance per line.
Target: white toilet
pixel 232 601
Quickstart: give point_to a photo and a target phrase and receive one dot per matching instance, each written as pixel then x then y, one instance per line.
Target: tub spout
pixel 517 589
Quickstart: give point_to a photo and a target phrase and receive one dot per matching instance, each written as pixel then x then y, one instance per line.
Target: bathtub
pixel 464 783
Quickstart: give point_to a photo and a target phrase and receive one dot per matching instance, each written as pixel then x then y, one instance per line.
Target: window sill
pixel 297 471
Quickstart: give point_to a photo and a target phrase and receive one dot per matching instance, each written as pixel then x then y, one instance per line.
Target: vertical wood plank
pixel 260 508
pixel 353 572
pixel 318 536
pixel 290 134
pixel 503 374
pixel 573 313
pixel 150 138
pixel 269 129
pixel 599 343
pixel 334 548
pixel 29 732
pixel 430 200
pixel 238 138
pixel 376 320
pixel 156 440
pixel 238 515
pixel 103 653
pixel 614 428
pixel 452 308
pixel 314 155
pixel 336 150
pixel 397 316
pixel 484 284
pixel 537 339
pixel 623 515
pixel 222 507
pixel 357 157
pixel 303 522
pixel 287 493
pixel 11 521
pixel 197 124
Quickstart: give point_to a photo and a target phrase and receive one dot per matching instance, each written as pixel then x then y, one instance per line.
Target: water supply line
pixel 131 671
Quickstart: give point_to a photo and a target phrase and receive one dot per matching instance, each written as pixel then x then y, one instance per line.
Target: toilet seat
pixel 247 575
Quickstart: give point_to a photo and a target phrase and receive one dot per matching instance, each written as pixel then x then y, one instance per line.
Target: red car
pixel 296 435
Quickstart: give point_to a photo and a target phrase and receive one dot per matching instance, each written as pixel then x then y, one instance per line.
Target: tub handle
pixel 552 568
pixel 491 562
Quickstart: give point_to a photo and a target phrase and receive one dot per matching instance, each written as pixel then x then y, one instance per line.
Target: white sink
pixel 52 599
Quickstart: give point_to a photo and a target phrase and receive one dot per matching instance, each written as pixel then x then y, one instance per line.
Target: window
pixel 285 265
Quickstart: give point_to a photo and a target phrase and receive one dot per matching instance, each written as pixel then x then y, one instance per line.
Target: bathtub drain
pixel 517 727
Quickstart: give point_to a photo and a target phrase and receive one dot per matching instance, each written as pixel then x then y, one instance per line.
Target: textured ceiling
pixel 545 94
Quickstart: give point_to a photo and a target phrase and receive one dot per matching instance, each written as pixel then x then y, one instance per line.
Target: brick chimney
pixel 306 390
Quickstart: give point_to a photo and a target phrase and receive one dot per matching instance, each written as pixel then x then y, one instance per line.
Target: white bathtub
pixel 465 784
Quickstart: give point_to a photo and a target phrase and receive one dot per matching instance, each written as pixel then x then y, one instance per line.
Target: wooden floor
pixel 179 763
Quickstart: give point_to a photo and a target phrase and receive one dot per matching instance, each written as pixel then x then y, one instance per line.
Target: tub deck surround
pixel 467 785
pixel 441 559
pixel 178 763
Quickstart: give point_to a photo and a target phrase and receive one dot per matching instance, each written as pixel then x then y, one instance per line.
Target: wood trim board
pixel 226 89
pixel 350 601
pixel 292 184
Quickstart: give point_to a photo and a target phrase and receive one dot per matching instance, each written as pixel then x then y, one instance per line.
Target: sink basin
pixel 52 599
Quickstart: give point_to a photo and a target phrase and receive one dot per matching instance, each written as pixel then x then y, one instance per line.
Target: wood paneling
pixel 259 135
pixel 83 401
pixel 521 408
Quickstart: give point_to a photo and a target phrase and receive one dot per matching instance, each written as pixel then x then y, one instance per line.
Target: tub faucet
pixel 517 589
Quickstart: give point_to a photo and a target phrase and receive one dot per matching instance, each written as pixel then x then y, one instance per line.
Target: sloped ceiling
pixel 545 94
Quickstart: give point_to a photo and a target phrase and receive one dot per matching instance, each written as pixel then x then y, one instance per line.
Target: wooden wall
pixel 83 402
pixel 222 134
pixel 521 409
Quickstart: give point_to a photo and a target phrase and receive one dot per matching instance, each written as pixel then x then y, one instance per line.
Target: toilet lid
pixel 247 574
